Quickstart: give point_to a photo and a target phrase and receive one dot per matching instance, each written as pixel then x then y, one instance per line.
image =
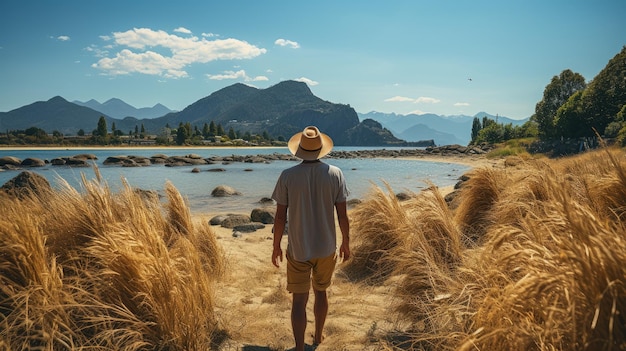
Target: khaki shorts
pixel 299 273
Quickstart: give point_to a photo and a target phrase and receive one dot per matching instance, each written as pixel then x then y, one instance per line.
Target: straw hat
pixel 310 144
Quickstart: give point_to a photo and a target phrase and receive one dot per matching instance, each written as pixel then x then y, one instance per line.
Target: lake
pixel 253 180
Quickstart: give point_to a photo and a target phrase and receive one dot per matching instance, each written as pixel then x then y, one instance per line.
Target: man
pixel 309 193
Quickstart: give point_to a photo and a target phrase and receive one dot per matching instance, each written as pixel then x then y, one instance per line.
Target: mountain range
pixel 119 109
pixel 444 130
pixel 281 110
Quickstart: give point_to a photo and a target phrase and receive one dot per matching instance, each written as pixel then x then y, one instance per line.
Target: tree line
pixel 184 134
pixel 570 108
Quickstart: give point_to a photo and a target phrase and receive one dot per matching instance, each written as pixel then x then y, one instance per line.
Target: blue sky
pixel 387 56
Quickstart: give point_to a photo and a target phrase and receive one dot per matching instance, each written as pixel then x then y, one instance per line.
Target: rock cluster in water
pixel 85 160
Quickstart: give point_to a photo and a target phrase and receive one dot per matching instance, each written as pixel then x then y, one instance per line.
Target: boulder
pixel 233 220
pixel 263 215
pixel 10 160
pixel 115 160
pixel 266 201
pixel 217 220
pixel 86 156
pixel 33 162
pixel 195 170
pixel 26 184
pixel 248 227
pixel 57 161
pixel 224 191
pixel 140 160
pixel 76 162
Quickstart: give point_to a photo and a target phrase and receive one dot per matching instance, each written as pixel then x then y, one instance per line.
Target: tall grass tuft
pixel 93 269
pixel 544 269
pixel 479 194
pixel 380 221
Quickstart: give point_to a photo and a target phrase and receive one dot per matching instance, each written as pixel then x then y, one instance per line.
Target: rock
pixel 217 220
pixel 403 196
pixel 195 170
pixel 237 234
pixel 10 160
pixel 353 202
pixel 76 162
pixel 147 195
pixel 86 156
pixel 266 201
pixel 27 184
pixel 33 162
pixel 57 161
pixel 248 227
pixel 140 160
pixel 234 220
pixel 217 170
pixel 115 160
pixel 263 215
pixel 224 191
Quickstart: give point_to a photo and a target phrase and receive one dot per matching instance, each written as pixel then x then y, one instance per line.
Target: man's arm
pixel 344 226
pixel 280 220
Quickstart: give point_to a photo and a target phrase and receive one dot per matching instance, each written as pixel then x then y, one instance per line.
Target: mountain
pixel 444 130
pixel 280 110
pixel 117 108
pixel 55 114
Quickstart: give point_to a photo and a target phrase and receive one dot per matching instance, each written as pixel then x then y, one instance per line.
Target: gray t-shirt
pixel 310 192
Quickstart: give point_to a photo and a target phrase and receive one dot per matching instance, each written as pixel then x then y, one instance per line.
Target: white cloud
pixel 139 55
pixel 285 42
pixel 63 38
pixel 419 100
pixel 426 100
pixel 241 74
pixel 149 62
pixel 460 104
pixel 209 35
pixel 182 30
pixel 416 112
pixel 399 99
pixel 307 81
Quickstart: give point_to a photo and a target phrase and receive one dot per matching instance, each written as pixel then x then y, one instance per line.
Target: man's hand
pixel 344 251
pixel 277 254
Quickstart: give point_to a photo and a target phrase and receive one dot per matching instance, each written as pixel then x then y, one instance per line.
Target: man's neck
pixel 311 161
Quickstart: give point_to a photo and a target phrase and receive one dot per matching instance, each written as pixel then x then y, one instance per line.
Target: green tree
pixel 476 127
pixel 212 129
pixel 80 132
pixel 205 131
pixel 220 130
pixel 231 134
pixel 101 130
pixel 555 95
pixel 181 134
pixel 143 132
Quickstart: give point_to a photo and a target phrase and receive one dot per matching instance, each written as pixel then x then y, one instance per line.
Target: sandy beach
pixel 254 306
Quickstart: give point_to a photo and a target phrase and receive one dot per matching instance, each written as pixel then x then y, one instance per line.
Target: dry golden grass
pixel 98 270
pixel 544 269
pixel 531 259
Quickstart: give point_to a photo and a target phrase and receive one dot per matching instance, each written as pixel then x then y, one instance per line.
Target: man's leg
pixel 320 309
pixel 298 318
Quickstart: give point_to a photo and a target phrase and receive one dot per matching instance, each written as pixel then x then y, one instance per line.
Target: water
pixel 361 174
